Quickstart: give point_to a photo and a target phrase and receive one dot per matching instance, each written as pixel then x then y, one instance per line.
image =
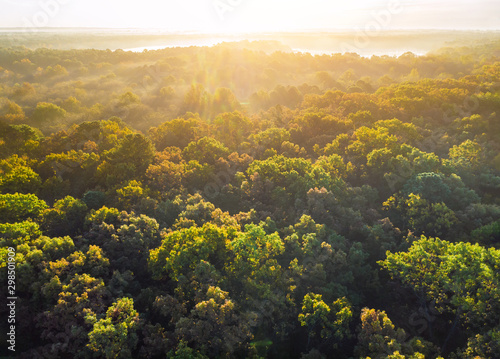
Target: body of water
pixel 314 52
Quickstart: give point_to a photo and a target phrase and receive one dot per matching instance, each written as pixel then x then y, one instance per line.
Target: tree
pixel 128 98
pixel 178 132
pixel 314 125
pixel 19 140
pixel 205 150
pixel 94 199
pixel 18 207
pixel 13 113
pixel 126 239
pixel 421 216
pixel 254 268
pixel 47 113
pixel 232 128
pixel 182 250
pixel 129 160
pixel 380 339
pixel 64 326
pixel 325 321
pixel 467 154
pixel 183 351
pixel 214 326
pixel 436 188
pixel 17 176
pixel 115 335
pixel 271 138
pixel 167 172
pixel 224 100
pixel 76 167
pixel 462 278
pixel 197 100
pixel 130 195
pixel 483 345
pixel 65 218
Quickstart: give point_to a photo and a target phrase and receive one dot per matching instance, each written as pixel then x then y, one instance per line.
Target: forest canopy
pixel 231 202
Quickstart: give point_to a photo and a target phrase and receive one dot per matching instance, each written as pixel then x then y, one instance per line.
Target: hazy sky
pixel 252 15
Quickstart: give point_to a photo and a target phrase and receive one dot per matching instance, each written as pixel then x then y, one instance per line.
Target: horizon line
pixel 318 30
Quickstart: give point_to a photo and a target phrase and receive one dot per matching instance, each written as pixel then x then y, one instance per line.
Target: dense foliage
pixel 227 203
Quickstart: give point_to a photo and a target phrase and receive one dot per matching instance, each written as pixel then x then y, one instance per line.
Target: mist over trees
pixel 231 202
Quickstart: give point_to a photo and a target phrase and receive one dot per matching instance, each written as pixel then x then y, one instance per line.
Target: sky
pixel 236 16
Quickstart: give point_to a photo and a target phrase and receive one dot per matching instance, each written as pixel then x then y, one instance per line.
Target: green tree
pixel 254 269
pixel 224 100
pixel 19 140
pixel 325 321
pixel 214 325
pixel 12 113
pixel 462 278
pixel 125 238
pixel 178 132
pixel 17 176
pixel 232 128
pixel 65 218
pixel 380 339
pixel 129 160
pixel 205 150
pixel 47 113
pixel 115 335
pixel 183 351
pixel 182 250
pixel 197 100
pixel 18 207
pixel 421 216
pixel 64 325
pixel 468 155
